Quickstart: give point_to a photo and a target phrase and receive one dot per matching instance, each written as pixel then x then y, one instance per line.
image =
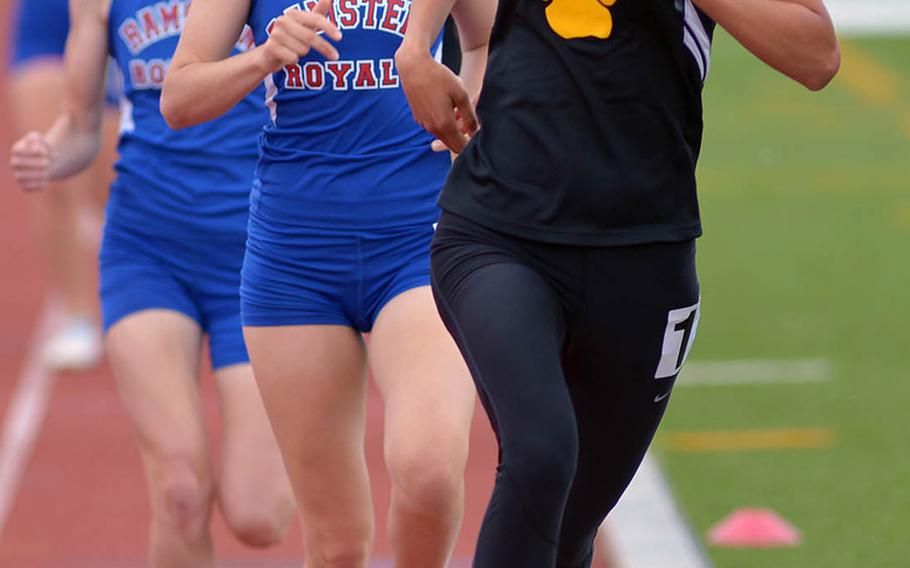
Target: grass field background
pixel 806 206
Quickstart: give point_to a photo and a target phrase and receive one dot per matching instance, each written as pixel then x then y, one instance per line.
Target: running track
pixel 80 501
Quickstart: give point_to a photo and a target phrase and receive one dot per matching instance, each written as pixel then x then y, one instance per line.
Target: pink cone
pixel 754 528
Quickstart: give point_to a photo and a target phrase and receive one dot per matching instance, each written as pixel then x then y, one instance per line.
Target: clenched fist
pixel 30 160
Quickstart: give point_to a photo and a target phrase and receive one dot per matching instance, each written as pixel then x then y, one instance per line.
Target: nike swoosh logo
pixel 660 397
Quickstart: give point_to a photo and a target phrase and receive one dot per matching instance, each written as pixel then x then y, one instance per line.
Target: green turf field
pixel 806 207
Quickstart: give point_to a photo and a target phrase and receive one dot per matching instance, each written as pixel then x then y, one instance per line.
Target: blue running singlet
pixel 344 201
pixel 341 149
pixel 176 220
pixel 193 181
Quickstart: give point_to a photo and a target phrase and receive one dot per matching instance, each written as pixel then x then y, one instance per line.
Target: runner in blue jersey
pixel 170 261
pixel 64 218
pixel 341 218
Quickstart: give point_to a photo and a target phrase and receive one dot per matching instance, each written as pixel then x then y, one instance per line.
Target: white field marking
pixel 755 372
pixel 25 413
pixel 870 16
pixel 647 530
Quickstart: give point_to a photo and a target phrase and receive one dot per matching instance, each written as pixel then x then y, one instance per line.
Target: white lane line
pixel 647 530
pixel 25 414
pixel 870 16
pixel 755 371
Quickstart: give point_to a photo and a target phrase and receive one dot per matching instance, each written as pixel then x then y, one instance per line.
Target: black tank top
pixel 591 123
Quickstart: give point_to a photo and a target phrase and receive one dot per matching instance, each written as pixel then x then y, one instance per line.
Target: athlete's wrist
pixel 412 55
pixel 264 60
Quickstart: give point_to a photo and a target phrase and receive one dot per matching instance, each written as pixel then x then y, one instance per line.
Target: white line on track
pixel 755 372
pixel 25 414
pixel 647 530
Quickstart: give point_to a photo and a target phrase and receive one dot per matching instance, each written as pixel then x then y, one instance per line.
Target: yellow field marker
pixel 903 214
pixel 750 440
pixel 867 79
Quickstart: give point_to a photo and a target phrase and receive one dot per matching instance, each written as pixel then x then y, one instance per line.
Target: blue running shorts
pixel 306 276
pixel 199 278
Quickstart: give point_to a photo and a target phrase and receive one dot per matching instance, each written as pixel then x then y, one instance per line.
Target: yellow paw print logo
pixel 581 18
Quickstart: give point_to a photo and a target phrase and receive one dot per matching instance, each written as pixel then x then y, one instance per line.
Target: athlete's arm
pixel 474 18
pixel 74 139
pixel 442 102
pixel 203 81
pixel 796 37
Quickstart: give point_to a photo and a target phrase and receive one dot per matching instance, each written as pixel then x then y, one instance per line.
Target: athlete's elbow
pixel 823 69
pixel 173 112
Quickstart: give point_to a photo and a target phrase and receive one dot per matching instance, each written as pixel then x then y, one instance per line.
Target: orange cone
pixel 754 528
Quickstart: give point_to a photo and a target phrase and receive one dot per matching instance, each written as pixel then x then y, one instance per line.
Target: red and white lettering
pixel 293 77
pixel 148 74
pixel 169 12
pixel 314 75
pixel 149 25
pixel 157 71
pixel 348 14
pixel 366 75
pixel 371 14
pixel 138 76
pixel 393 12
pixel 388 79
pixel 340 71
pixel 403 29
pixel 130 33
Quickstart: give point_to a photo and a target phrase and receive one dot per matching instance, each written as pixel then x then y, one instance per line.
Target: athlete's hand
pixel 30 160
pixel 438 98
pixel 297 32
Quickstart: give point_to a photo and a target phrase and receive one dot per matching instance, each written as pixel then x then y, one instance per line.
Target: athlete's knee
pixel 335 550
pixel 184 498
pixel 430 478
pixel 260 518
pixel 257 528
pixel 429 486
pixel 544 462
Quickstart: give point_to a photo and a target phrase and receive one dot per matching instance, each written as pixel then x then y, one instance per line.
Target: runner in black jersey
pixel 564 261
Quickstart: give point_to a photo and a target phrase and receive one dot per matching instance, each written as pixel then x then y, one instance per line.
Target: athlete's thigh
pixel 312 381
pixel 253 483
pixel 155 357
pixel 428 394
pixel 313 385
pixel 509 325
pixel 621 360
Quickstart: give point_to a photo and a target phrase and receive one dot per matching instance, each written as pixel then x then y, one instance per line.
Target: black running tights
pixel 574 351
